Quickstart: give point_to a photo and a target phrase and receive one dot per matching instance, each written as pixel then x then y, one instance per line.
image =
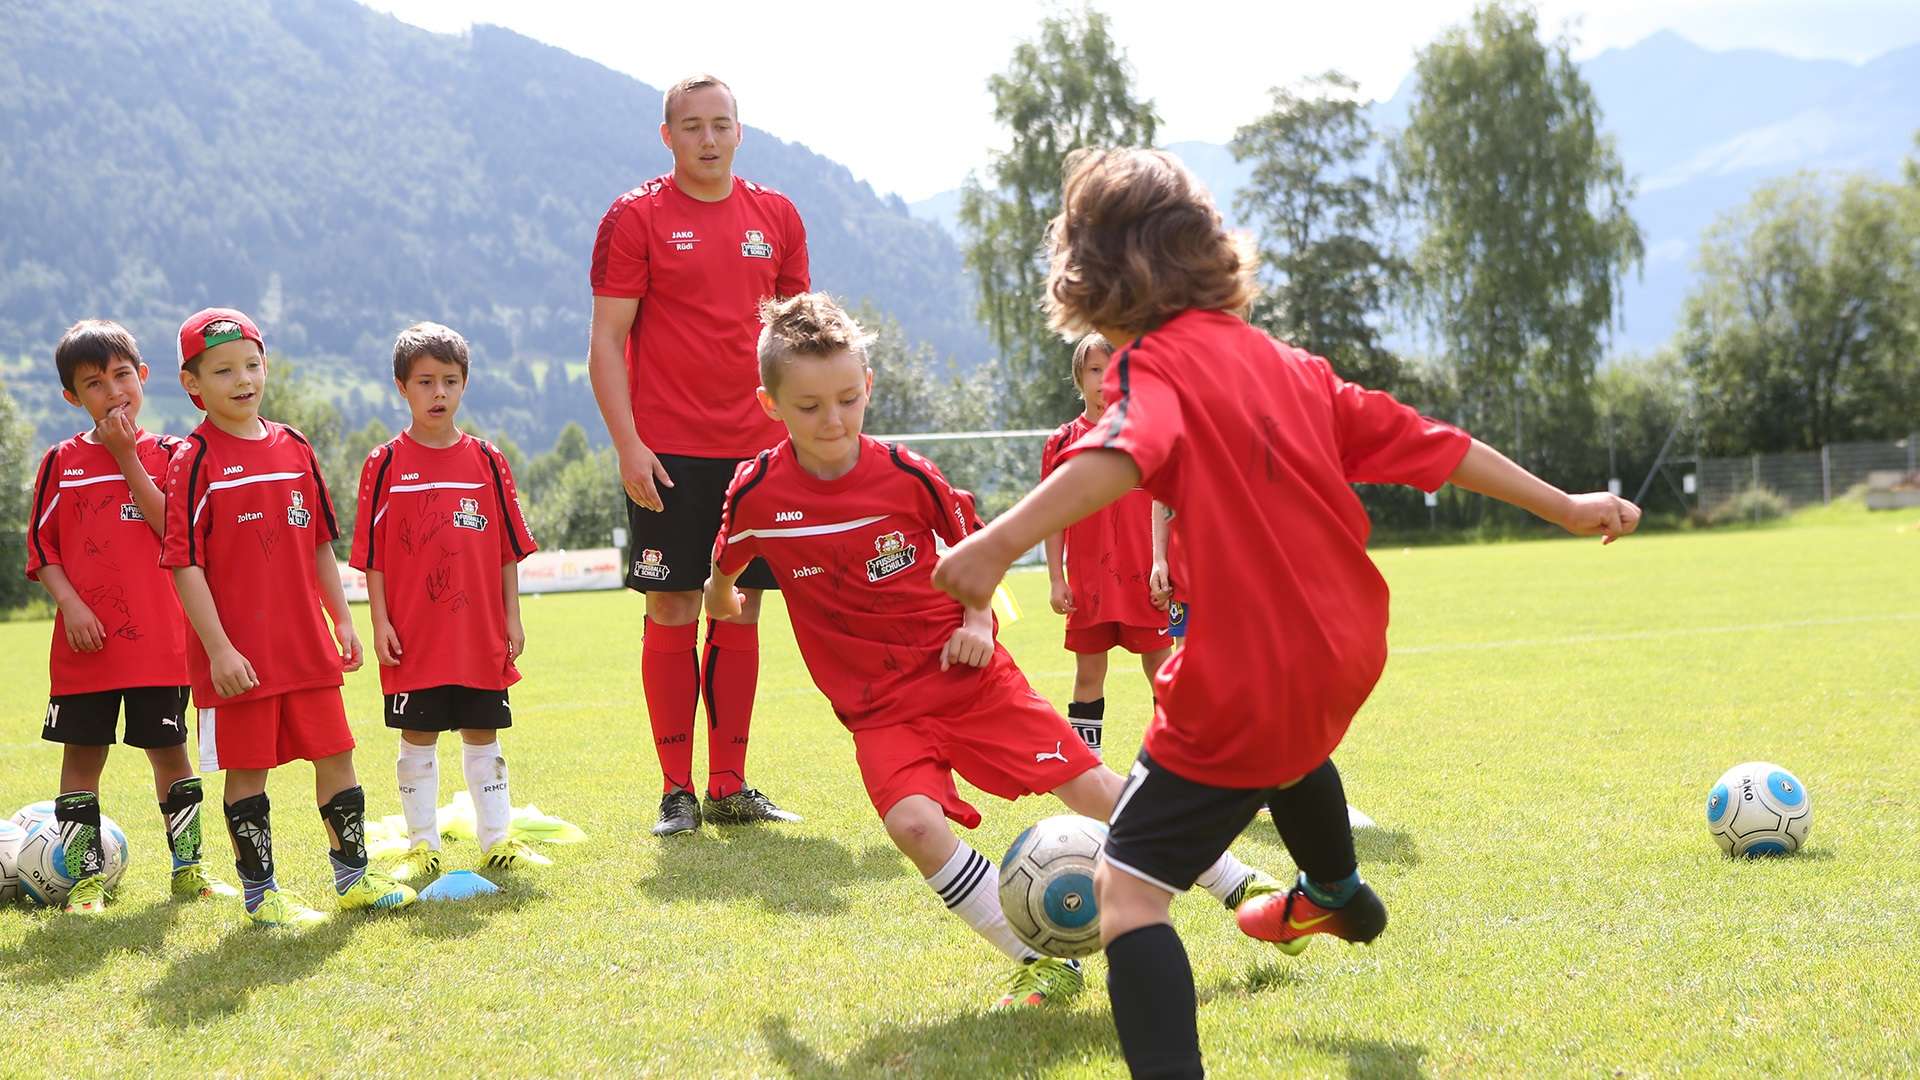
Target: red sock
pixel 732 672
pixel 670 675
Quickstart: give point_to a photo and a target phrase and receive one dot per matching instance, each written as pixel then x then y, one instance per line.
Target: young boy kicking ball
pixel 1254 444
pixel 440 536
pixel 848 525
pixel 1109 570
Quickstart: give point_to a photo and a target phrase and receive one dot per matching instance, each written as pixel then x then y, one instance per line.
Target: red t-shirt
pixel 855 557
pixel 1253 443
pixel 440 523
pixel 699 270
pixel 250 512
pixel 1109 552
pixel 86 522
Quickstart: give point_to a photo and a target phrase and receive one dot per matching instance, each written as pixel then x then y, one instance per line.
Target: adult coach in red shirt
pixel 680 266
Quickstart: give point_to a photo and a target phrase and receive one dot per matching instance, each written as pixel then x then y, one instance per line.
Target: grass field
pixel 1538 756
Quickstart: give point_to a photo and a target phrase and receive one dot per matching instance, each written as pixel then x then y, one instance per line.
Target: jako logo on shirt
pixel 756 246
pixel 469 516
pixel 73 472
pixel 787 515
pixel 895 555
pixel 231 469
pixel 297 514
pixel 683 239
pixel 404 477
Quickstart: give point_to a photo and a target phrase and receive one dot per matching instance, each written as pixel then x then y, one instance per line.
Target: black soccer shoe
pixel 744 807
pixel 679 813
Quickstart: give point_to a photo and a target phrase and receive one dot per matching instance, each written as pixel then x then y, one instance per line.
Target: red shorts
pixel 268 732
pixel 1008 742
pixel 1104 637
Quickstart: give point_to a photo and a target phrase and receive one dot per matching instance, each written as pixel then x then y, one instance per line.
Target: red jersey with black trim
pixel 250 512
pixel 1109 552
pixel 86 522
pixel 855 558
pixel 439 523
pixel 1254 444
pixel 699 270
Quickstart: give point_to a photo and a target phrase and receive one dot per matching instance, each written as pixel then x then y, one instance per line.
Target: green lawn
pixel 1538 756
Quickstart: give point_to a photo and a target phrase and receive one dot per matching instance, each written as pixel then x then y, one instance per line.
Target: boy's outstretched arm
pixel 1084 484
pixel 1487 471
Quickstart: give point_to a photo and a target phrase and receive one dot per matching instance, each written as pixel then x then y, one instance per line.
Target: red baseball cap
pixel 214 326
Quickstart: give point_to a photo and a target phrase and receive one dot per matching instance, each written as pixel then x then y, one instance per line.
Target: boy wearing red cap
pixel 249 526
pixel 119 639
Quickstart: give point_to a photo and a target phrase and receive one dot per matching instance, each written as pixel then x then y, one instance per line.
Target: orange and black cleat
pixel 1289 920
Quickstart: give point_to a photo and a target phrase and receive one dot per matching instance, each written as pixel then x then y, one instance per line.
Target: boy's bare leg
pixel 1149 979
pixel 1151 663
pixel 1094 794
pixel 964 880
pixel 170 766
pixel 81 766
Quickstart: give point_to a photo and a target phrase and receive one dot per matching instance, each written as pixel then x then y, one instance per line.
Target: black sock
pixel 1150 985
pixel 181 812
pixel 1311 817
pixel 1088 720
pixel 77 815
pixel 346 814
pixel 252 833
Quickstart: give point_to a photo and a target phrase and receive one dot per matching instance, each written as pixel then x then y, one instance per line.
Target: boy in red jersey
pixel 680 265
pixel 1109 582
pixel 249 534
pixel 440 536
pixel 1254 444
pixel 94 543
pixel 849 525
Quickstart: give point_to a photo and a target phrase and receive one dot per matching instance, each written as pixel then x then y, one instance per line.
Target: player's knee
pixel 673 608
pixel 916 827
pixel 1126 903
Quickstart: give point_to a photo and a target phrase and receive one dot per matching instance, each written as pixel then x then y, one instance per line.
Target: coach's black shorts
pixel 156 717
pixel 673 549
pixel 449 708
pixel 1166 829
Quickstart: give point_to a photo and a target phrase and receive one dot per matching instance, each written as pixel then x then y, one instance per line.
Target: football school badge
pixel 131 512
pixel 756 246
pixel 649 566
pixel 895 555
pixel 298 515
pixel 469 516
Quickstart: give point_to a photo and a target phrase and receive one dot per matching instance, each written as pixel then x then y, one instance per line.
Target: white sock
pixel 969 884
pixel 487 782
pixel 419 772
pixel 1224 876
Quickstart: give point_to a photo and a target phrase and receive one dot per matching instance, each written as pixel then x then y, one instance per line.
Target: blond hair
pixel 687 86
pixel 1136 242
pixel 810 324
pixel 1084 348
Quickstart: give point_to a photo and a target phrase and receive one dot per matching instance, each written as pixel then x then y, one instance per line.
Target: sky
pixel 897 91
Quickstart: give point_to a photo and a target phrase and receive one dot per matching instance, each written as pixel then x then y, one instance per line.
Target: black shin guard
pixel 1088 720
pixel 1150 984
pixel 77 815
pixel 181 812
pixel 346 814
pixel 252 833
pixel 1311 817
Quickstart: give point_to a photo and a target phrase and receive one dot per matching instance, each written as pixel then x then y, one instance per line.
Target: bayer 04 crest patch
pixel 469 516
pixel 298 515
pixel 649 566
pixel 895 555
pixel 755 246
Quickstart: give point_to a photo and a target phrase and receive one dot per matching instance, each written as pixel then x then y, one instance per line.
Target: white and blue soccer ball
pixel 1759 808
pixel 42 862
pixel 11 836
pixel 32 815
pixel 1046 886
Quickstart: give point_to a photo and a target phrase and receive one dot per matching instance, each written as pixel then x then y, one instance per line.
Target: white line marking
pixel 1654 635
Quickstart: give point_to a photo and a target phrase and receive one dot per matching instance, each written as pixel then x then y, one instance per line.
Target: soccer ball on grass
pixel 1046 886
pixel 1758 808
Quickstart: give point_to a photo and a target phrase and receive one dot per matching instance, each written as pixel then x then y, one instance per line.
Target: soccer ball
pixel 32 815
pixel 10 837
pixel 42 863
pixel 1758 808
pixel 1046 886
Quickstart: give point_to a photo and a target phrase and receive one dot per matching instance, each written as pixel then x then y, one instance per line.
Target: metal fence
pixel 1806 478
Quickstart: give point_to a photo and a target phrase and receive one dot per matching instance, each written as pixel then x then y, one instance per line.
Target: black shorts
pixel 156 717
pixel 673 550
pixel 1166 830
pixel 448 708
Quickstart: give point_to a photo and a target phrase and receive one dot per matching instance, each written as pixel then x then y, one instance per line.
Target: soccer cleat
pixel 88 896
pixel 192 882
pixel 1042 980
pixel 1256 884
pixel 284 909
pixel 376 892
pixel 512 854
pixel 744 807
pixel 679 813
pixel 1289 920
pixel 420 863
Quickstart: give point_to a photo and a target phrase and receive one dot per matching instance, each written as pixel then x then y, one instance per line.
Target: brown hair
pixel 810 324
pixel 92 343
pixel 1084 348
pixel 1137 241
pixel 428 339
pixel 687 86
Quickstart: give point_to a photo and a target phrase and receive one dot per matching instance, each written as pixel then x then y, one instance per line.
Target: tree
pixel 1526 231
pixel 16 494
pixel 1071 87
pixel 1805 324
pixel 1318 211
